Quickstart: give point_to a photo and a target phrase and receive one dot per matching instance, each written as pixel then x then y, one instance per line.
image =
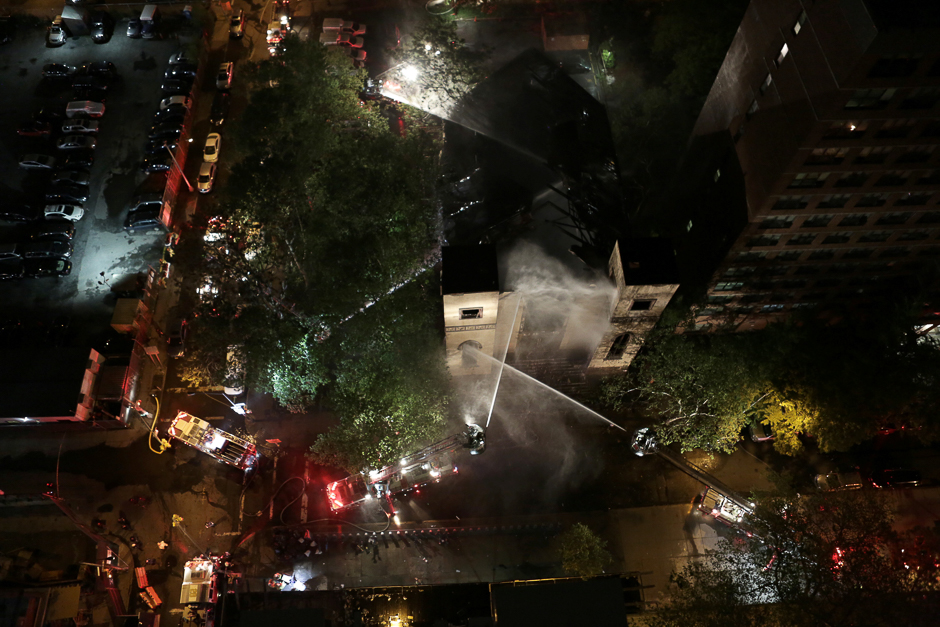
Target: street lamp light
pixel 177 163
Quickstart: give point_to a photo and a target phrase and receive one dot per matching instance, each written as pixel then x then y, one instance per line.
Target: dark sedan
pixel 67 193
pixel 34 128
pixel 53 229
pixel 80 159
pixel 53 248
pixel 895 478
pixel 219 108
pixel 143 219
pixel 166 131
pixel 11 269
pixel 57 70
pixel 38 268
pixel 156 164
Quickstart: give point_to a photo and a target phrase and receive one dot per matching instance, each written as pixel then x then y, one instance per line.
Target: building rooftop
pixel 891 14
pixel 469 269
pixel 648 261
pixel 596 602
pixel 41 381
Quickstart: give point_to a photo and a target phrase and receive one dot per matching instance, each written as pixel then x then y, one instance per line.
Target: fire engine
pixel 430 464
pixel 225 447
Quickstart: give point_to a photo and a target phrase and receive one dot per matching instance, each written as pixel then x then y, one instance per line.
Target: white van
pixel 149 18
pixel 336 24
pixel 84 109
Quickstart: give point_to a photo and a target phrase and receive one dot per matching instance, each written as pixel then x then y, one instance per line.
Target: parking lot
pixel 106 259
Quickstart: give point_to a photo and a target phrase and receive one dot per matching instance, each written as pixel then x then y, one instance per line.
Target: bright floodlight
pixel 427 46
pixel 409 72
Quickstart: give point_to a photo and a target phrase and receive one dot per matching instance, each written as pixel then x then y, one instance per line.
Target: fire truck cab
pixel 224 447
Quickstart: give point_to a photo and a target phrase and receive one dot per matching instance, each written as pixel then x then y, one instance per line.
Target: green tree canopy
pixel 583 552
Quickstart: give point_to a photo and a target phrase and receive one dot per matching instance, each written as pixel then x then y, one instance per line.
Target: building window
pixel 892 179
pixel 921 98
pixel 807 270
pixel 870 98
pixel 728 286
pixel 873 155
pixel 857 253
pixel 872 200
pixel 833 201
pixel 809 179
pixel 874 236
pixel 931 217
pixel 852 129
pixel 799 23
pixel 827 156
pixel 771 308
pixel 821 255
pixel 852 179
pixel 719 299
pixel 471 314
pixel 914 200
pixel 892 219
pixel 768 80
pixel 619 346
pixel 893 129
pixel 854 219
pixel 895 66
pixel 930 178
pixel 932 129
pixel 763 240
pixel 895 251
pixel 791 202
pixel 913 236
pixel 804 239
pixel 642 305
pixel 815 222
pixel 749 299
pixel 837 238
pixel 752 256
pixel 777 222
pixel 790 255
pixel 916 155
pixel 784 51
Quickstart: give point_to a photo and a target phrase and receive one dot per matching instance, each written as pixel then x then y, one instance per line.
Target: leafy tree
pixel 824 559
pixel 326 215
pixel 583 552
pixel 444 69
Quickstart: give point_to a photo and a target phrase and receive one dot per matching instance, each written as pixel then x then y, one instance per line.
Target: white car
pixel 80 126
pixel 206 178
pixel 166 103
pixel 210 154
pixel 37 162
pixel 224 78
pixel 56 35
pixel 64 212
pixel 74 142
pixel 356 42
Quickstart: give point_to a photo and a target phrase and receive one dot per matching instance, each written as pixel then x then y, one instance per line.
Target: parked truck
pixel 223 446
pixel 75 21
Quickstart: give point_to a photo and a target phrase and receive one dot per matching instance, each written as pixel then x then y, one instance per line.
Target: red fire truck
pixel 225 447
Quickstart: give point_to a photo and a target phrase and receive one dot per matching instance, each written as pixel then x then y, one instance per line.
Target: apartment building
pixel 813 172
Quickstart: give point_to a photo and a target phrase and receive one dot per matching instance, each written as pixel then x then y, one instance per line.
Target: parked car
pixel 34 128
pixel 64 212
pixel 23 213
pixel 172 86
pixel 37 162
pixel 102 27
pixel 143 219
pixel 84 109
pixel 220 106
pixel 73 142
pixel 10 251
pixel 174 111
pixel 11 269
pixel 181 101
pixel 56 35
pixel 156 163
pixel 223 79
pixel 84 79
pixel 89 93
pixel 176 342
pixel 166 131
pixel 102 69
pixel 39 268
pixel 839 481
pixel 59 248
pixel 80 125
pixel 133 28
pixel 75 177
pixel 67 193
pixel 237 27
pixel 895 478
pixel 159 147
pixel 181 71
pixel 79 159
pixel 47 115
pixel 147 201
pixel 53 228
pixel 206 178
pixel 210 153
pixel 57 70
pixel 356 42
pixel 181 56
pixel 759 431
